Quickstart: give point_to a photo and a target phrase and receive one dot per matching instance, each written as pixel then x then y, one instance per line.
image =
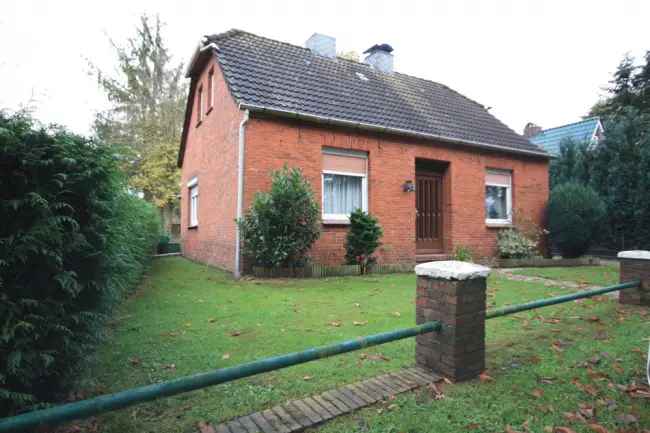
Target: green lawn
pixel 591 275
pixel 187 318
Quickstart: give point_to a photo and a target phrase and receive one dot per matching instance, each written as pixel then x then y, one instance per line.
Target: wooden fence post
pixel 453 293
pixel 635 265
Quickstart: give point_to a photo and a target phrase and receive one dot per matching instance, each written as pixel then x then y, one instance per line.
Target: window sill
pixel 193 227
pixel 330 222
pixel 499 224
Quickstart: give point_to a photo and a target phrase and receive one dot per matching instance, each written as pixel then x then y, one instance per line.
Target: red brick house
pixel 436 168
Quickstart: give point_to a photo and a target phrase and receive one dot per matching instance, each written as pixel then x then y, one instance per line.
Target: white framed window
pixel 200 105
pixel 498 197
pixel 344 184
pixel 210 89
pixel 193 189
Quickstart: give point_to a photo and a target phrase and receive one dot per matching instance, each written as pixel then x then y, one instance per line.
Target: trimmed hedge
pixel 72 242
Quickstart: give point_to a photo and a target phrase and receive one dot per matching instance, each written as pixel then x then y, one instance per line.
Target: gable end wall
pixel 211 155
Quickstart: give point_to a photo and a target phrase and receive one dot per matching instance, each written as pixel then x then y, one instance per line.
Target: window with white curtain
pixel 498 197
pixel 193 187
pixel 345 184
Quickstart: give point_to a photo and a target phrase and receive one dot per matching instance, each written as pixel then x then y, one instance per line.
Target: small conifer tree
pixel 362 240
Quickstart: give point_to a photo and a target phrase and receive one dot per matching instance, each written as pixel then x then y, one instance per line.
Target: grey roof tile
pixel 280 76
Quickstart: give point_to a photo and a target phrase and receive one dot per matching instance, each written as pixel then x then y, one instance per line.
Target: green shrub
pixel 513 244
pixel 72 241
pixel 463 254
pixel 362 239
pixel 282 224
pixel 576 214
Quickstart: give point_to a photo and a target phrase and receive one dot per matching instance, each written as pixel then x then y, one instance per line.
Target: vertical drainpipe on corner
pixel 240 191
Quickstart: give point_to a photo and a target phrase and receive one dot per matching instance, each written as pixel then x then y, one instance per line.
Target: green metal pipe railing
pixel 512 309
pixel 94 406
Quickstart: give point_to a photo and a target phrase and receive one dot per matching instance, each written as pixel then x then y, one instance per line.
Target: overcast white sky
pixel 531 60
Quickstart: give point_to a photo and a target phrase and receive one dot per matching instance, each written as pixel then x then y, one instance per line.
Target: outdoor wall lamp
pixel 408 186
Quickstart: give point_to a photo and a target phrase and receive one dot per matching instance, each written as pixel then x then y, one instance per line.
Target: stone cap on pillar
pixel 452 270
pixel 636 255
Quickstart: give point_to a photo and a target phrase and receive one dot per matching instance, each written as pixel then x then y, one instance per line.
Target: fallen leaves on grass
pixel 627 418
pixel 335 323
pixel 597 428
pixel 397 313
pixel 436 391
pixel 358 305
pixel 374 357
pixel 361 323
pixel 169 367
pixel 574 417
pixel 563 430
pixel 547 380
pixel 135 361
pixel 225 356
pixel 205 427
pixel 235 333
pixel 537 393
pixel 511 430
pixel 307 377
pixel 212 320
pixel 484 377
pixel 636 391
pixel 586 411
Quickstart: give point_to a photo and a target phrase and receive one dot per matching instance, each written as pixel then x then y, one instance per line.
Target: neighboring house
pixel 589 130
pixel 436 168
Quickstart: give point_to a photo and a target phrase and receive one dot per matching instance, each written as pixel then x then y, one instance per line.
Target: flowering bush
pixel 512 244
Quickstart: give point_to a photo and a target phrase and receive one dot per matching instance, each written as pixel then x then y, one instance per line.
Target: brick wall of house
pixel 271 142
pixel 211 156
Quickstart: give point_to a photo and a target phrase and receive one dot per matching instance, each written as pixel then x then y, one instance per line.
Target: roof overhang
pixel 387 129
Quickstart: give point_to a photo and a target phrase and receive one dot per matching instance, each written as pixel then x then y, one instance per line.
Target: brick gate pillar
pixel 453 293
pixel 635 265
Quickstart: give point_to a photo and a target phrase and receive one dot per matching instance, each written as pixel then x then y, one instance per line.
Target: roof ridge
pixel 572 123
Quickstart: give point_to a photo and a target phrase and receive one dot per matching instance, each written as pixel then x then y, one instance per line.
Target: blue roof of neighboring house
pixel 550 139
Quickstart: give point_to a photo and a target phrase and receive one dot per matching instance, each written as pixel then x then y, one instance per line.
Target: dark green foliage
pixel 630 88
pixel 572 163
pixel 618 168
pixel 362 240
pixel 72 241
pixel 576 215
pixel 282 224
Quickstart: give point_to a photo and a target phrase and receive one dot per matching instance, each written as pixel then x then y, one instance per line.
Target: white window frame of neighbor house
pixel 508 186
pixel 344 218
pixel 193 193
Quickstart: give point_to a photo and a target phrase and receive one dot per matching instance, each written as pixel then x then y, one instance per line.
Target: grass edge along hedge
pixel 73 241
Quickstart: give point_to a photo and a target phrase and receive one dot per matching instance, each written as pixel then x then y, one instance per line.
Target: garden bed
pixel 322 271
pixel 547 263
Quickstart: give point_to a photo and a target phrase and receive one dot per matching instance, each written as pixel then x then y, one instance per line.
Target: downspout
pixel 240 191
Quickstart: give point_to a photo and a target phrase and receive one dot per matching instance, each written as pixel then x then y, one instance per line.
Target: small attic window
pixel 361 76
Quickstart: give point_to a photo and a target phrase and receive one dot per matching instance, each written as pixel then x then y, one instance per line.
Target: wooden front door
pixel 428 217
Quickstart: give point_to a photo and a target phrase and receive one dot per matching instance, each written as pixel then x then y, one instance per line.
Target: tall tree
pixel 630 87
pixel 144 122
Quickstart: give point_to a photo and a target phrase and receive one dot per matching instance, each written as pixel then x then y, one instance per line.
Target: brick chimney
pixel 322 45
pixel 531 130
pixel 380 58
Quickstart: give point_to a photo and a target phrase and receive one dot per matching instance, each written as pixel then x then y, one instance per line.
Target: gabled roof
pixel 579 132
pixel 287 80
